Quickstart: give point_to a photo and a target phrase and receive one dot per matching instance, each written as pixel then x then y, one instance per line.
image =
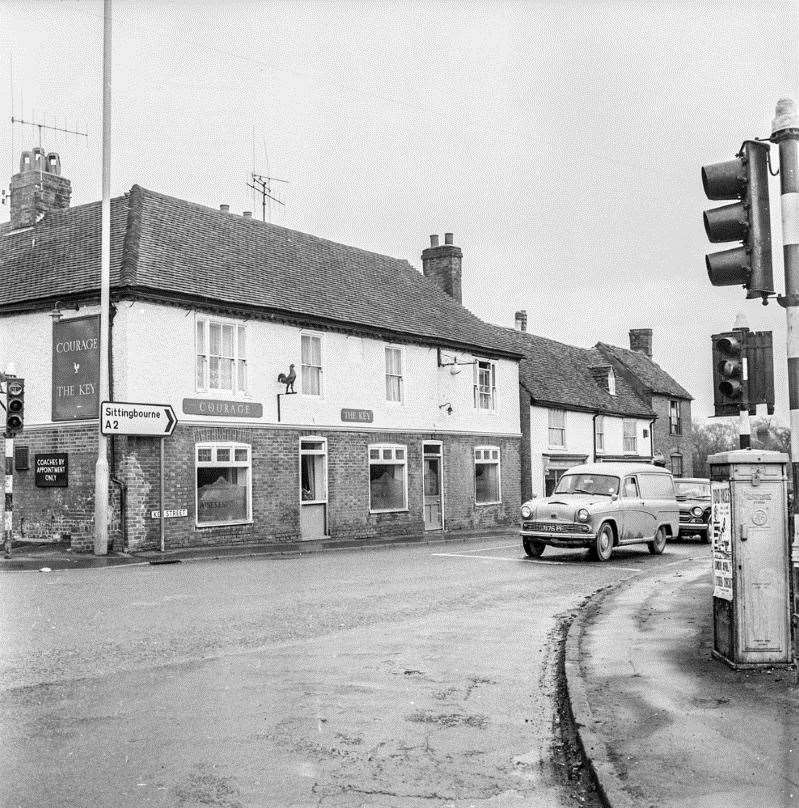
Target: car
pixel 602 506
pixel 693 497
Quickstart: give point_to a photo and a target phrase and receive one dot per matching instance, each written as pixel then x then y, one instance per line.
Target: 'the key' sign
pixel 126 418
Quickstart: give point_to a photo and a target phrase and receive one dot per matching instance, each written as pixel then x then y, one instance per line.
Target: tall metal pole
pixel 785 132
pixel 101 475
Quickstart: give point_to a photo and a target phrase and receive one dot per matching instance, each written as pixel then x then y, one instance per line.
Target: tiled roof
pixel 165 245
pixel 650 373
pixel 560 375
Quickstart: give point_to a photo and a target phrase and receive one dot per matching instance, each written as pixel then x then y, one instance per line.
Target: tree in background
pixel 721 435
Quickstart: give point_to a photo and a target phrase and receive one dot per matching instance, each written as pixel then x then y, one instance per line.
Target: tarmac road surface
pixel 415 676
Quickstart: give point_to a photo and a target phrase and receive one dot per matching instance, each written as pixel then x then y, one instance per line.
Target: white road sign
pixel 127 418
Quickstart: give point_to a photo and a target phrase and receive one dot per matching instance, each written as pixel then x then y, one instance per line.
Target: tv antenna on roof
pixel 263 185
pixel 50 127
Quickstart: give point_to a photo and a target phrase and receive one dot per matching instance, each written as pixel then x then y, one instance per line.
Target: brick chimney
pixel 641 341
pixel 442 264
pixel 38 188
pixel 520 320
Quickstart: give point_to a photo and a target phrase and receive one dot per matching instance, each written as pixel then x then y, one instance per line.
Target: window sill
pixel 201 525
pixel 215 393
pixel 313 502
pixel 390 510
pixel 483 504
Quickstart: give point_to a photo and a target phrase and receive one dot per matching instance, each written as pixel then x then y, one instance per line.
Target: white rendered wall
pixel 579 439
pixel 154 361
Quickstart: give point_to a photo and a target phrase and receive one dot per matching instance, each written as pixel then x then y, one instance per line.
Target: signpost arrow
pixel 128 418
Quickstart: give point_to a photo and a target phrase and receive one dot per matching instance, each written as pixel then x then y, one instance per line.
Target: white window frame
pixel 314 452
pixel 313 335
pixel 633 437
pixel 213 463
pixel 599 433
pixel 482 391
pixel 675 417
pixel 611 382
pixel 401 377
pixel 382 461
pixel 551 428
pixel 482 451
pixel 205 322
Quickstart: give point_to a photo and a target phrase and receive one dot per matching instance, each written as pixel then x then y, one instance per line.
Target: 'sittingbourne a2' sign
pixel 131 418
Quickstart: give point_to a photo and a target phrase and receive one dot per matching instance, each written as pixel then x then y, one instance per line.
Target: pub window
pixel 630 439
pixel 557 427
pixel 221 348
pixel 388 478
pixel 676 465
pixel 223 483
pixel 600 433
pixel 485 385
pixel 393 373
pixel 311 349
pixel 675 422
pixel 486 475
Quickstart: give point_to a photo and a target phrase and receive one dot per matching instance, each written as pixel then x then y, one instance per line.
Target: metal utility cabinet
pixel 751 605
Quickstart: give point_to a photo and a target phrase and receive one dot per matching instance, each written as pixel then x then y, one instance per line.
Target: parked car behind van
pixel 693 497
pixel 601 506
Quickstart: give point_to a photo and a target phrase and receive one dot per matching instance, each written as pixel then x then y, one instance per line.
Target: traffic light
pixel 15 406
pixel 748 220
pixel 730 387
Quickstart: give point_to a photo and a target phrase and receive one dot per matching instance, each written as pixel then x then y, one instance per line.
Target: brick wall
pixel 275 486
pixel 47 513
pixel 666 444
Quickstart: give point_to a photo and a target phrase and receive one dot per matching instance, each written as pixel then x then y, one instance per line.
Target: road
pixel 415 676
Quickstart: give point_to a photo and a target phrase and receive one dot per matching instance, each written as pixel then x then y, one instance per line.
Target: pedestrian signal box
pixel 751 565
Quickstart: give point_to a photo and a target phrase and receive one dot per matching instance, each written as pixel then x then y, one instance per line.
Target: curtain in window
pixel 311 365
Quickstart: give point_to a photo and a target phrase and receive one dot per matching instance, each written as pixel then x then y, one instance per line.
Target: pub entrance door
pixel 313 488
pixel 432 486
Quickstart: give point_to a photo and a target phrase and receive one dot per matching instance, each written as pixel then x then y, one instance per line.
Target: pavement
pixel 664 724
pixel 48 556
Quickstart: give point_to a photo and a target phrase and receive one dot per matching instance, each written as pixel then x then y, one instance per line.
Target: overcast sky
pixel 561 142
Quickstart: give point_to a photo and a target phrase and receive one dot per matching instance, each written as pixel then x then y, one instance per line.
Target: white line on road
pixel 526 560
pixel 501 547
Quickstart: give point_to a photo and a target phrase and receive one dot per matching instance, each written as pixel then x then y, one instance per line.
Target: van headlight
pixel 527 511
pixel 583 515
pixel 696 511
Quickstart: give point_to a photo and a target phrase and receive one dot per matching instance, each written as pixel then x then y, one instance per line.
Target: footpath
pixel 662 723
pixel 48 556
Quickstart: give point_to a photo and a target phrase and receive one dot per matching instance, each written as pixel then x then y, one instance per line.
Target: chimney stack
pixel 38 188
pixel 224 208
pixel 520 320
pixel 247 214
pixel 442 264
pixel 641 341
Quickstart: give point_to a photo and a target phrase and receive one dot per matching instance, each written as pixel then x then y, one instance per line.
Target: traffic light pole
pixel 744 430
pixel 785 132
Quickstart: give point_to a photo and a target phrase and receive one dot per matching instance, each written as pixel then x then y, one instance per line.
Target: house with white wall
pixel 323 392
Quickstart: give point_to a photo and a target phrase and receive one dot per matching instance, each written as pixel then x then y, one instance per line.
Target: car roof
pixel 617 469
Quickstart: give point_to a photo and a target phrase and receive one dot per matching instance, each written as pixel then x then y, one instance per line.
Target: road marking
pixel 527 560
pixel 501 547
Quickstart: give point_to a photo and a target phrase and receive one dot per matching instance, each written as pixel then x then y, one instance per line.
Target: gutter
pixel 652 438
pixel 593 422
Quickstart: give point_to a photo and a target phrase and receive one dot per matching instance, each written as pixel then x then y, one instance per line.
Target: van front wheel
pixel 534 549
pixel 658 544
pixel 602 548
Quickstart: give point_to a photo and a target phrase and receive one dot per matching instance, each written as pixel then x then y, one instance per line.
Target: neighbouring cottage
pixel 322 391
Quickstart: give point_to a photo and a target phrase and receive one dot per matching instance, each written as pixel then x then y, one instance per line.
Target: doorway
pixel 433 470
pixel 313 488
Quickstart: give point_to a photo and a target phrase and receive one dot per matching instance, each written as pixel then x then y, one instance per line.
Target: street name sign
pixel 129 418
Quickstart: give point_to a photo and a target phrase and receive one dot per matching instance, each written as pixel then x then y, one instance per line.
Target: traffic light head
pixel 746 179
pixel 15 406
pixel 730 390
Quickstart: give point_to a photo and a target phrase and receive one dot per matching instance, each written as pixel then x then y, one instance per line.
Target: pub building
pixel 322 392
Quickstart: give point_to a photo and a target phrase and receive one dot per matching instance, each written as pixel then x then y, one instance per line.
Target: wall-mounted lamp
pixel 454 365
pixel 55 313
pixel 446 406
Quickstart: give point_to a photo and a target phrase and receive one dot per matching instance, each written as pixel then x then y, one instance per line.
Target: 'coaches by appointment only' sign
pixel 129 418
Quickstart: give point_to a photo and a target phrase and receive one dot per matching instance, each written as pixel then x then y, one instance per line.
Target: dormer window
pixel 604 377
pixel 611 382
